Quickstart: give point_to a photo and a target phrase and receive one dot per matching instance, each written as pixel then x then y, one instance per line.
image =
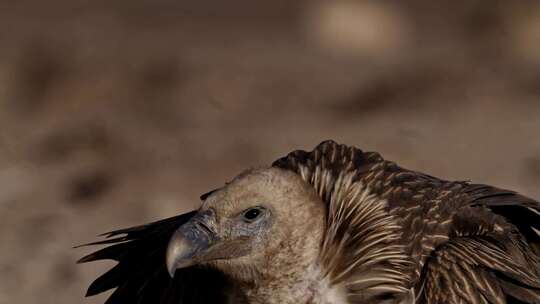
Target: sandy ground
pixel 114 114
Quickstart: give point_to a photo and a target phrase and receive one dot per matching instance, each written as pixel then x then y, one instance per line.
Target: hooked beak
pixel 190 242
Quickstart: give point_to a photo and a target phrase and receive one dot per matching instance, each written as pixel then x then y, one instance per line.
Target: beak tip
pixel 171 260
pixel 179 254
pixel 171 272
pixel 186 246
pixel 174 264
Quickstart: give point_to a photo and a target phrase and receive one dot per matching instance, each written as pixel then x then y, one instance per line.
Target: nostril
pixel 204 227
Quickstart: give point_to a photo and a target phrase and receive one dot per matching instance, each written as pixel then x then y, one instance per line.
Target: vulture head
pixel 335 225
pixel 263 220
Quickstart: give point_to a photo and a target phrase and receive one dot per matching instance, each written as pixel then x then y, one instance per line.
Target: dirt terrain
pixel 115 113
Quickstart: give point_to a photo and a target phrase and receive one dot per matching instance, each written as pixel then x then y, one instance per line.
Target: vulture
pixel 330 226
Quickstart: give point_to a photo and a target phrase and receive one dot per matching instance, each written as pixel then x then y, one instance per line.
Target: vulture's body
pixel 335 225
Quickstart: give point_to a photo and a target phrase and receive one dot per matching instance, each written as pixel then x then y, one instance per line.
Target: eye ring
pixel 252 214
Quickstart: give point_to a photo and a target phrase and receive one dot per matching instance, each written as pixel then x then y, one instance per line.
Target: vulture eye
pixel 252 214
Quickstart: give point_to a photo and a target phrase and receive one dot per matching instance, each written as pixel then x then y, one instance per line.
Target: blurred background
pixel 115 113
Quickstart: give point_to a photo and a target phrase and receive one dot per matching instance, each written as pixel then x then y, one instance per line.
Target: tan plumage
pixel 335 225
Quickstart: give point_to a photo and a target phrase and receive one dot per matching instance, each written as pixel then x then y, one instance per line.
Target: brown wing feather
pixel 475 270
pixel 492 252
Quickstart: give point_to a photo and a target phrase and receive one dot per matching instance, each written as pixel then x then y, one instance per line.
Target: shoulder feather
pixel 360 249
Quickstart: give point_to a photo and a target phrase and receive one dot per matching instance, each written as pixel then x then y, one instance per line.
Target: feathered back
pixel 360 250
pixel 389 229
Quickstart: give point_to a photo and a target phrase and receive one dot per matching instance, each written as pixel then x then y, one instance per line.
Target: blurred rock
pixel 372 29
pixel 525 34
pixel 89 187
pixel 40 68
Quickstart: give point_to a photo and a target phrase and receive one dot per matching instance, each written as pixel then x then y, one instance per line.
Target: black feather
pixel 521 211
pixel 141 275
